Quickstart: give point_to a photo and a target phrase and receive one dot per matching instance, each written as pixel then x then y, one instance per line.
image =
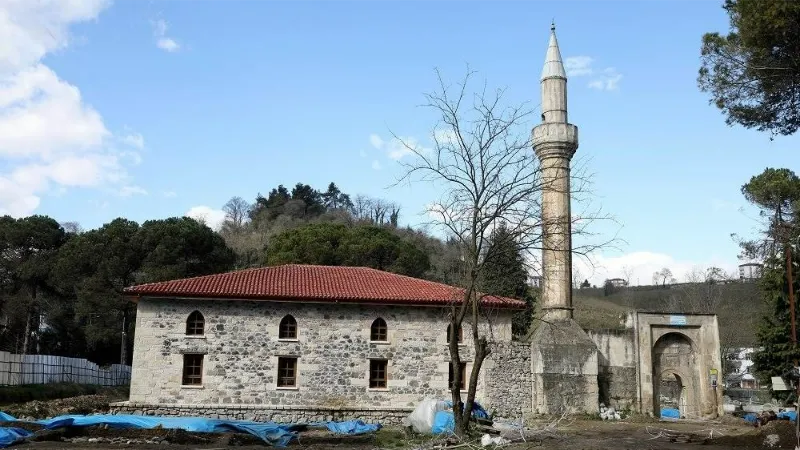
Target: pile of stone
pixel 609 413
pixel 117 440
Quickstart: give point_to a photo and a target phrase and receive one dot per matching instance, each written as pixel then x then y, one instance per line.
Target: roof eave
pixel 136 296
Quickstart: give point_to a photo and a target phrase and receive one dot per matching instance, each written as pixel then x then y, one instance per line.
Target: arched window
pixel 379 332
pixel 459 336
pixel 195 324
pixel 288 328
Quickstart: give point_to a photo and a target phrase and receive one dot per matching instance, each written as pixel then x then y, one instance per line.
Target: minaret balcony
pixel 553 139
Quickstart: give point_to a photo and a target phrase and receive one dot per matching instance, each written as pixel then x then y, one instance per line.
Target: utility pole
pixel 123 352
pixel 794 341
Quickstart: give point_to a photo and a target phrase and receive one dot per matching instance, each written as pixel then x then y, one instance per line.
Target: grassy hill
pixel 738 306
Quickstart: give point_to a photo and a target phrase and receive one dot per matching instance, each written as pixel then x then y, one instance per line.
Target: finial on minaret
pixel 553 25
pixel 553 65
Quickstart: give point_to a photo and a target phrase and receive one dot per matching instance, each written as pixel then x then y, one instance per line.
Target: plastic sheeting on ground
pixel 351 427
pixel 9 436
pixel 787 415
pixel 751 417
pixel 275 434
pixel 436 416
pixel 670 413
pixel 443 422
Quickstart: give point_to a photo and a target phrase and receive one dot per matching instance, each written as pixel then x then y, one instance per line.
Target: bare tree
pixel 663 277
pixel 627 272
pixel 72 227
pixel 577 278
pixel 483 165
pixel 236 211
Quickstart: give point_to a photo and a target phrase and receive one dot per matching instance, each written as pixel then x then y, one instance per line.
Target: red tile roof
pixel 294 282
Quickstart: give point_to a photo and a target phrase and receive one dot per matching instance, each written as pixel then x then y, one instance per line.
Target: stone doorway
pixel 674 367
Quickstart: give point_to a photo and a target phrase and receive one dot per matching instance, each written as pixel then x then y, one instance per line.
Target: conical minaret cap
pixel 553 65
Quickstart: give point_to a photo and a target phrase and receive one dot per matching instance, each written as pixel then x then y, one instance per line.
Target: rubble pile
pixel 609 413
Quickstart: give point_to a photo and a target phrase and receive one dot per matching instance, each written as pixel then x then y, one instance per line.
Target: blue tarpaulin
pixel 351 427
pixel 9 436
pixel 787 415
pixel 751 417
pixel 276 434
pixel 443 422
pixel 670 413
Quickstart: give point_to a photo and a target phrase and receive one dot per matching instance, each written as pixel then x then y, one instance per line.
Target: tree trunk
pixel 26 336
pixel 460 427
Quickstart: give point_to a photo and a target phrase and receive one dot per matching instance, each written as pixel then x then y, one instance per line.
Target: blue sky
pixel 150 109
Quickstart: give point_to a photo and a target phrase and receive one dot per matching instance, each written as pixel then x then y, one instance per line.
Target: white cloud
pixel 168 44
pixel 135 140
pixel 608 80
pixel 581 66
pixel 376 141
pixel 162 40
pixel 49 138
pixel 170 194
pixel 127 191
pixel 577 66
pixel 639 267
pixel 376 165
pixel 396 148
pixel 210 216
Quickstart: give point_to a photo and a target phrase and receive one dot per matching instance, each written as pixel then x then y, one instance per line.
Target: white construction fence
pixel 44 369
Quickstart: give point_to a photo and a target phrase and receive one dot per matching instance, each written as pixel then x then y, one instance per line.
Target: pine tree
pixel 777 356
pixel 505 274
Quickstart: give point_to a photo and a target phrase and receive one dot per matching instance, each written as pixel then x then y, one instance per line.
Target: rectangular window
pixel 451 376
pixel 192 369
pixel 287 372
pixel 459 335
pixel 378 373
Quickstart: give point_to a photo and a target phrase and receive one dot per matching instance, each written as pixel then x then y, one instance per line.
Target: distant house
pixel 296 342
pixel 742 377
pixel 750 271
pixel 617 282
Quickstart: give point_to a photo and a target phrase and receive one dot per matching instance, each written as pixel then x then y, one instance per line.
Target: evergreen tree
pixel 777 193
pixel 505 274
pixel 777 356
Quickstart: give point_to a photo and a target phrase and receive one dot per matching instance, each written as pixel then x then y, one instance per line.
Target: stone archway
pixel 675 376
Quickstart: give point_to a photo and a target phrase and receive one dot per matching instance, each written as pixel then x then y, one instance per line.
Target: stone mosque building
pixel 301 343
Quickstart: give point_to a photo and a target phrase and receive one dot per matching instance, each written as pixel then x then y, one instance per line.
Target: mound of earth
pixel 778 434
pixel 84 404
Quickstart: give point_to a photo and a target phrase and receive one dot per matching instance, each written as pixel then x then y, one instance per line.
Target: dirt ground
pixel 578 435
pixel 729 433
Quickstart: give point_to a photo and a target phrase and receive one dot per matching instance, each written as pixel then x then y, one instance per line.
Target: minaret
pixel 555 141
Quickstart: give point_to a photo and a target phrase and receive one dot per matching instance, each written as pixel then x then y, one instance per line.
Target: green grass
pixel 42 392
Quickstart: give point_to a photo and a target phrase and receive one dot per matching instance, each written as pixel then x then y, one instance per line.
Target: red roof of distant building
pixel 295 282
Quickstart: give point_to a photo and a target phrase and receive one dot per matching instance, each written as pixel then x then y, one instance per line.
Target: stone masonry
pixel 508 379
pixel 241 348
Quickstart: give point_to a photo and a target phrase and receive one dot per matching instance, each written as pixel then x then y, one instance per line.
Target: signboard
pixel 677 320
pixel 712 378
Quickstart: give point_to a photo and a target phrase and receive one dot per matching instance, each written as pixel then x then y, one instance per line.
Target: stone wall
pixel 279 414
pixel 508 380
pixel 241 350
pixel 616 358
